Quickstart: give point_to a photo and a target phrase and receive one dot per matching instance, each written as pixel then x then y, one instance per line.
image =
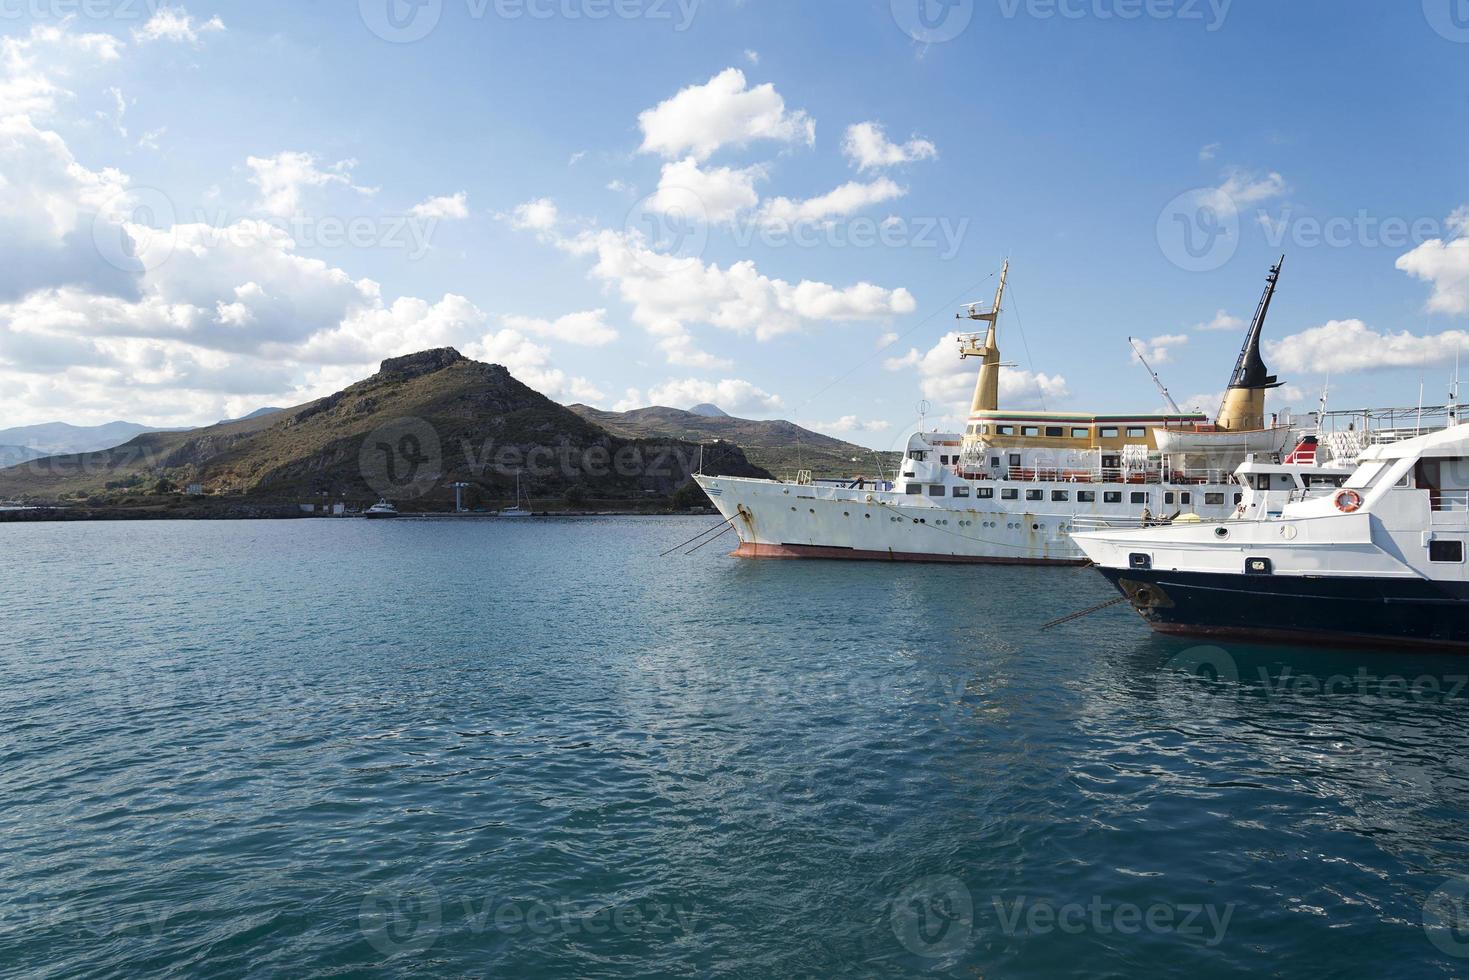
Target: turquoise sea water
pixel 535 749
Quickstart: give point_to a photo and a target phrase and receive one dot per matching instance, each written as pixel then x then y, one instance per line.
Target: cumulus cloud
pixel 1209 152
pixel 539 215
pixel 1444 264
pixel 283 177
pixel 720 193
pixel 849 424
pixel 848 199
pixel 175 24
pixel 724 111
pixel 587 329
pixel 949 382
pixel 530 363
pixel 1159 350
pixel 28 88
pixel 1341 346
pixel 1242 187
pixel 1222 320
pixel 866 145
pixel 454 206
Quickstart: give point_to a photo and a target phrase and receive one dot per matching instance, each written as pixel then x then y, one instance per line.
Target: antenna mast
pixel 1156 380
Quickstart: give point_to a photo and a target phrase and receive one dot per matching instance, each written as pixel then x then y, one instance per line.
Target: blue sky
pixel 771 205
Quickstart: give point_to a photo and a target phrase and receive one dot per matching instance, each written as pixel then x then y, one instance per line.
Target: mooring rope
pixel 711 540
pixel 1085 612
pixel 696 537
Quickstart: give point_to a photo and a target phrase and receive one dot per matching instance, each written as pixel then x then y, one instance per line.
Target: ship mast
pixel 1244 402
pixel 987 349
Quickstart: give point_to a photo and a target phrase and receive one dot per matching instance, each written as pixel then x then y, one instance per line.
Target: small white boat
pixel 380 510
pixel 517 510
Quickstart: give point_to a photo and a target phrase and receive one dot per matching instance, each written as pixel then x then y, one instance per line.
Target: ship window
pixel 1186 497
pixel 986 493
pixel 1053 431
pixel 1239 499
pixel 1214 499
pixel 1446 550
pixel 961 491
pixel 1009 493
pixel 1111 496
pixel 1014 459
pixel 1138 497
pixel 1168 497
pixel 1031 430
pixel 944 460
pixel 913 489
pixel 1081 433
pixel 1006 430
pixel 918 456
pixel 1136 432
pixel 1034 494
pixel 995 461
pixel 1108 432
pixel 1086 496
pixel 1059 495
pixel 936 490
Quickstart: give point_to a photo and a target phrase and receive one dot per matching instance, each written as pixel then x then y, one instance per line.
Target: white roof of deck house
pixel 1453 441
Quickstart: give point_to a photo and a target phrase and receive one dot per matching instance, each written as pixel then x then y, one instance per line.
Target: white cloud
pixel 752 56
pixel 587 329
pixel 949 382
pixel 530 363
pixel 724 111
pixel 539 215
pixel 734 395
pixel 175 24
pixel 1222 321
pixel 1458 222
pixel 1159 350
pixel 282 178
pixel 27 89
pixel 888 337
pixel 782 212
pixel 454 206
pixel 722 193
pixel 1446 266
pixel 1209 152
pixel 1341 346
pixel 868 148
pixel 668 294
pixel 1241 187
pixel 848 424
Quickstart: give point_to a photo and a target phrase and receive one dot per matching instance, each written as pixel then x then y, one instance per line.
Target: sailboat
pixel 517 510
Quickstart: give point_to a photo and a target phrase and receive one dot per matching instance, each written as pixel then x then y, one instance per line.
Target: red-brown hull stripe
pixel 767 551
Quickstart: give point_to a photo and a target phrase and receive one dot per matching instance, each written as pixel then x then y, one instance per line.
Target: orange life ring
pixel 1348 501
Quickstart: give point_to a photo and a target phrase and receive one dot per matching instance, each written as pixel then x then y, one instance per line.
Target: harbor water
pixel 536 749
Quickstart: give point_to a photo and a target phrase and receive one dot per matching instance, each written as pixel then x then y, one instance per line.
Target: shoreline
pixel 40 515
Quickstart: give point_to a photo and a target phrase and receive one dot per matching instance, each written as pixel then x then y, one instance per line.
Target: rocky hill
pixel 421 424
pixel 780 447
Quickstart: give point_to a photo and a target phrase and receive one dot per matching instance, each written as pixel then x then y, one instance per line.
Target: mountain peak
pixel 709 411
pixel 423 362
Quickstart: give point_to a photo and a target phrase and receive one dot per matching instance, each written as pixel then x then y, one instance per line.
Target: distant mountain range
pixel 437 412
pixel 61 438
pixel 780 447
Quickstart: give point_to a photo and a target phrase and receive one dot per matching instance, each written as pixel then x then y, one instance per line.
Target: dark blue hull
pixel 1298 609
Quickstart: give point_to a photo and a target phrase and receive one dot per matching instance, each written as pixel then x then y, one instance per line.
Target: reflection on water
pixel 538 750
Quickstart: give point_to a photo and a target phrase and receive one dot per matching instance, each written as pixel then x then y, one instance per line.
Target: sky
pixel 774 205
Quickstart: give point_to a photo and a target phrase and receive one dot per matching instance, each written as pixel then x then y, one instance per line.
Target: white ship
pixel 1379 561
pixel 1013 485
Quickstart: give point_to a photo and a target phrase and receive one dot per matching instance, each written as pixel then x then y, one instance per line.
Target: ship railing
pixel 1090 523
pixel 1151 476
pixel 1449 500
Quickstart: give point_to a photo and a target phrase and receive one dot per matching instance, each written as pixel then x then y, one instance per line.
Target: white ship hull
pixel 787 520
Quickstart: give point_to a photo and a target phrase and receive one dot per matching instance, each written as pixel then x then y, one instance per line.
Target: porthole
pixel 1221 533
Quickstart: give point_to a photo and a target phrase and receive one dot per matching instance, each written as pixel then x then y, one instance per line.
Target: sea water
pixel 537 749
